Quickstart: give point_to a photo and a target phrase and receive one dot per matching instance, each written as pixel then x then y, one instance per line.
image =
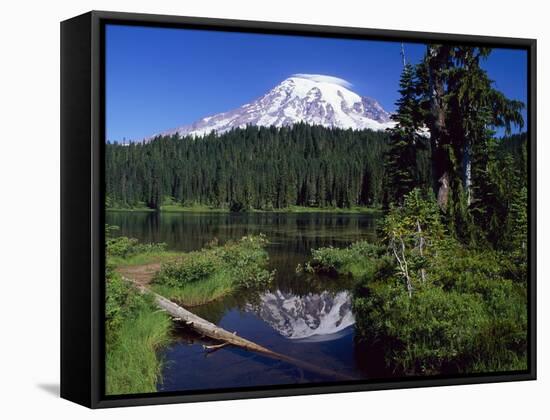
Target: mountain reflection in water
pixel 306 316
pixel 299 317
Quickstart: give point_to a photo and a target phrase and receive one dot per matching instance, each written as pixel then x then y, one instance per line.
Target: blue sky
pixel 159 78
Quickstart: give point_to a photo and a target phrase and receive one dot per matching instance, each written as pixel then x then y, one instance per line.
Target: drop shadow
pixel 52 389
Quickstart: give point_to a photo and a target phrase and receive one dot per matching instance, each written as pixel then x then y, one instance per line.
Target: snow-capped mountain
pixel 310 98
pixel 298 317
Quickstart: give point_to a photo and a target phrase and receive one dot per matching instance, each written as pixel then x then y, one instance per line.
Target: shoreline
pixel 286 210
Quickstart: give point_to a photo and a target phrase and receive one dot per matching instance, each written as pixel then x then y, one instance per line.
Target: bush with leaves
pixel 241 262
pixel 121 302
pixel 413 233
pixel 422 333
pixel 124 247
pixel 467 317
pixel 460 311
pixel 431 304
pixel 360 259
pixel 193 267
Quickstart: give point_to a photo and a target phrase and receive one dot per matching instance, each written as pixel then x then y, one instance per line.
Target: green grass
pixel 145 258
pixel 203 276
pixel 135 331
pixel 129 209
pixel 123 251
pixel 132 364
pixel 358 260
pixel 176 208
pixel 198 293
pixel 198 277
pixel 343 210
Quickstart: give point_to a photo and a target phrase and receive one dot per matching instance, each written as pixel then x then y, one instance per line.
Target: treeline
pixel 258 168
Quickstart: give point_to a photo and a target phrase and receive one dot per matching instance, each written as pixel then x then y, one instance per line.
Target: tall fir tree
pixel 461 109
pixel 401 162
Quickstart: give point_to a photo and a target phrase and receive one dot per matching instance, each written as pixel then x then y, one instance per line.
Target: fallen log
pixel 208 329
pixel 205 327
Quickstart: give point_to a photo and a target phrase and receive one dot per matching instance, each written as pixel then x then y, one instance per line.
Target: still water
pixel 307 317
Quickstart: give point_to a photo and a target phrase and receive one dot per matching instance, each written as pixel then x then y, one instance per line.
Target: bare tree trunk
pixel 467 172
pixel 421 243
pixel 443 192
pixel 437 61
pixel 403 266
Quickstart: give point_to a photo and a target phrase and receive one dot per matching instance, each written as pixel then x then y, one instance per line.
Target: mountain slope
pixel 313 99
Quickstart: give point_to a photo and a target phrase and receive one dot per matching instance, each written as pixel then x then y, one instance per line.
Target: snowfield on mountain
pixel 309 98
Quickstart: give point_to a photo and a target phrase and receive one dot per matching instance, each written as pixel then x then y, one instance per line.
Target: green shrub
pixel 193 267
pixel 127 247
pixel 246 261
pixel 358 260
pixel 467 318
pixel 427 331
pixel 121 302
pixel 216 270
pixel 431 304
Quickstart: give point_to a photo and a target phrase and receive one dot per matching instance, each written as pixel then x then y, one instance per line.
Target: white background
pixel 29 200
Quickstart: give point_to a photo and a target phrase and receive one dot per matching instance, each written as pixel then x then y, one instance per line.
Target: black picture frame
pixel 82 206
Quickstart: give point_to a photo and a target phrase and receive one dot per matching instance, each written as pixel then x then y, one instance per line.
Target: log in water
pixel 213 331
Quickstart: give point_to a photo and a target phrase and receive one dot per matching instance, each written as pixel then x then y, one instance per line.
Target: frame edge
pixel 96 399
pixel 75 128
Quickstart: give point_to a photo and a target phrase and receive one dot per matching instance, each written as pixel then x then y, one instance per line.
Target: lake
pixel 304 316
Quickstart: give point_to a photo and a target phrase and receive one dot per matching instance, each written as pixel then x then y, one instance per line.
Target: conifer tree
pixel 401 165
pixel 461 109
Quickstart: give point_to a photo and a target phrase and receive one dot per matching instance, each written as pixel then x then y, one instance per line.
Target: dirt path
pixel 140 274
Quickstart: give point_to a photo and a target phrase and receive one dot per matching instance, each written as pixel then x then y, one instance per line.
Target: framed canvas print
pixel 255 209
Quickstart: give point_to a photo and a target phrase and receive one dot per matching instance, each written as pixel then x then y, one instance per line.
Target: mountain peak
pixel 314 99
pixel 322 78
